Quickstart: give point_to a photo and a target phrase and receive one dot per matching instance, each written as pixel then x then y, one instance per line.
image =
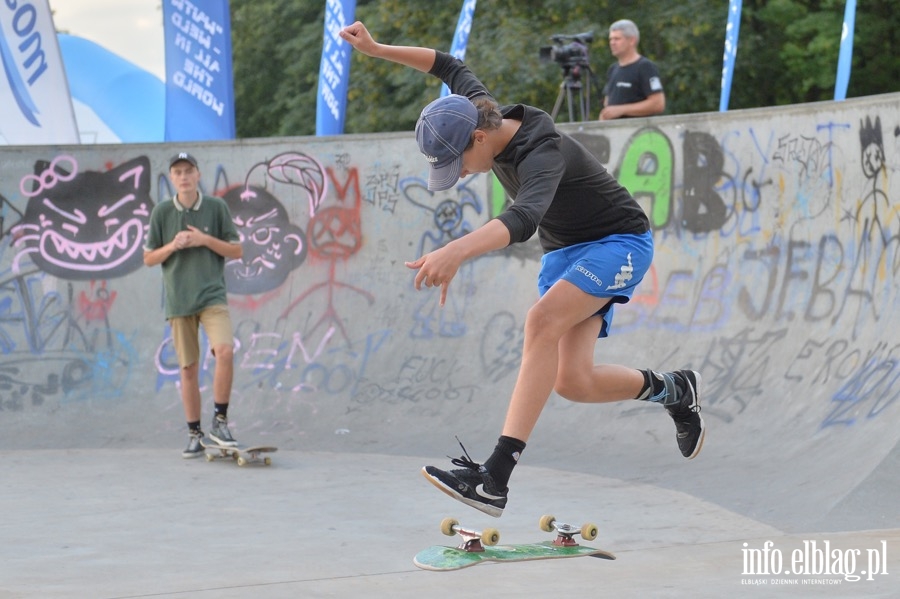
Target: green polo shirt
pixel 194 278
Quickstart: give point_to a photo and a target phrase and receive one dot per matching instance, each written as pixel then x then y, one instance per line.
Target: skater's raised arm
pixel 421 59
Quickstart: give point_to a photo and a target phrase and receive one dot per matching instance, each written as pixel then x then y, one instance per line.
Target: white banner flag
pixel 35 106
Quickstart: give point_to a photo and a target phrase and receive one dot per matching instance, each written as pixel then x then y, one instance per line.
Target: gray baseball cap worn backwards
pixel 443 132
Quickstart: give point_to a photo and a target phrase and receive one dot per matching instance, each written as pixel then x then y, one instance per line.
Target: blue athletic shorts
pixel 611 267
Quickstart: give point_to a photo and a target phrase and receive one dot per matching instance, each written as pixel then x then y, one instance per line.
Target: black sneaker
pixel 686 413
pixel 472 484
pixel 193 449
pixel 220 432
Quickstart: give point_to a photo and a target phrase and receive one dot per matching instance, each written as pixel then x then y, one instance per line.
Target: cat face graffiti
pixel 90 225
pixel 272 245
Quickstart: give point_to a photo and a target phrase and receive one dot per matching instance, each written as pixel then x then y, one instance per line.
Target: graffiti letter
pixel 704 209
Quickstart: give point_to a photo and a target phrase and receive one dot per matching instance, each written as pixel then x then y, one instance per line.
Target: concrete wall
pixel 775 275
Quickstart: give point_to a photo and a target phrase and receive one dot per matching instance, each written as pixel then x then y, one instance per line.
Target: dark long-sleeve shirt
pixel 559 188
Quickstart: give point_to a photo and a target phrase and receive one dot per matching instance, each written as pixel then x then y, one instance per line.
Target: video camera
pixel 568 50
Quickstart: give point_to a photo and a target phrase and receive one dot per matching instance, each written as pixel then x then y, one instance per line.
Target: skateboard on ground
pixel 243 454
pixel 478 547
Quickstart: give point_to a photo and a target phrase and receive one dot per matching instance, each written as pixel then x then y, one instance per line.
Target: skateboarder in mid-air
pixel 192 235
pixel 597 247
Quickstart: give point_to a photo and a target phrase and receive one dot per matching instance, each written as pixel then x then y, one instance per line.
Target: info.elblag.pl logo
pixel 816 562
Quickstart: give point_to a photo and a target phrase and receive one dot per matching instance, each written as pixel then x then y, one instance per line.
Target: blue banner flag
pixel 732 32
pixel 199 84
pixel 334 69
pixel 35 106
pixel 846 55
pixel 461 37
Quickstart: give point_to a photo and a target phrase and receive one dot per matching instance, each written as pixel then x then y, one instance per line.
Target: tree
pixel 276 46
pixel 787 54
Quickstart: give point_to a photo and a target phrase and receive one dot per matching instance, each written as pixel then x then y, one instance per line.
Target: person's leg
pixel 484 487
pixel 576 284
pixel 224 375
pixel 186 342
pixel 190 398
pixel 190 392
pixel 617 265
pixel 222 381
pixel 580 380
pixel 185 339
pixel 561 310
pixel 216 322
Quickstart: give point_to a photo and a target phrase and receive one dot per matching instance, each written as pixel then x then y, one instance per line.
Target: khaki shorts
pixel 216 322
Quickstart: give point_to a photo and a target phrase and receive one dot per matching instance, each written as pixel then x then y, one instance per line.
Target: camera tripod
pixel 572 87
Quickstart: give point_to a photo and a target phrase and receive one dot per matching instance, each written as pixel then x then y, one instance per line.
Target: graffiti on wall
pixel 84 225
pixel 758 230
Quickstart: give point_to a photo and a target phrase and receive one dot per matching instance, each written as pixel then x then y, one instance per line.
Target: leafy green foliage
pixel 787 54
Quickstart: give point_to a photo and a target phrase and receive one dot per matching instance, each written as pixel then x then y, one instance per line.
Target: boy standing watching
pixel 192 236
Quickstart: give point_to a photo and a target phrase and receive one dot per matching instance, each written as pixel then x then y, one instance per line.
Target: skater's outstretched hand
pixel 359 37
pixel 437 269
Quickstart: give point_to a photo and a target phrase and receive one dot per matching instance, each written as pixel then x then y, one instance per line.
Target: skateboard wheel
pixel 589 532
pixel 490 536
pixel 210 457
pixel 447 525
pixel 241 461
pixel 547 523
pixel 267 461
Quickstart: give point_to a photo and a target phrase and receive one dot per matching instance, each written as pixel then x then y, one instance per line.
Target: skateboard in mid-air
pixel 481 546
pixel 244 454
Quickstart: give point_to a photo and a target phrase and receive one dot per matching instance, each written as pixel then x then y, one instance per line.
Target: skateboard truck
pixel 473 541
pixel 566 532
pixel 243 455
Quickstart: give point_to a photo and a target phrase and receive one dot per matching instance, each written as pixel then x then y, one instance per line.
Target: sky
pixel 133 29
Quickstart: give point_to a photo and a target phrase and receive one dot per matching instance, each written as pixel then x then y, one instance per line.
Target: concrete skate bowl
pixel 775 276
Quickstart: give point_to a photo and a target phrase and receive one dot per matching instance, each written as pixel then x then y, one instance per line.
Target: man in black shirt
pixel 597 243
pixel 633 86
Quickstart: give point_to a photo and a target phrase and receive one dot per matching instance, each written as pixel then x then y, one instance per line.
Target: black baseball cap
pixel 183 157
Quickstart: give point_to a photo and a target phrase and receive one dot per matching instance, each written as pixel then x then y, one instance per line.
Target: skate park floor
pixel 143 522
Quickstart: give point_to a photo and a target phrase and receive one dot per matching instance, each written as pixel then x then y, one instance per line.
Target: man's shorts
pixel 609 268
pixel 216 322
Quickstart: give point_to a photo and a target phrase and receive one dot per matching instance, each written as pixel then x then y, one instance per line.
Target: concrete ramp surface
pixel 775 276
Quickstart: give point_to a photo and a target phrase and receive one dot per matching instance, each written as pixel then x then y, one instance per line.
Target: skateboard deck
pixel 479 547
pixel 243 454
